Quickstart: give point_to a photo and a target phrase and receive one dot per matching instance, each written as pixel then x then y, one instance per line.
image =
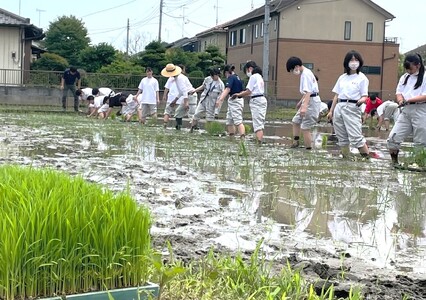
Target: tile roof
pixel 8 18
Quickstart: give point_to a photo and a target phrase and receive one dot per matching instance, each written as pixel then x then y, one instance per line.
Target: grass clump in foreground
pixel 222 277
pixel 63 235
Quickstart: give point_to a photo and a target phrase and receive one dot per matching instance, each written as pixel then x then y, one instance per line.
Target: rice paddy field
pixel 357 223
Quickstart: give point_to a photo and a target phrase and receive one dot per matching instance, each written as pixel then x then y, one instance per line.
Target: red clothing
pixel 370 105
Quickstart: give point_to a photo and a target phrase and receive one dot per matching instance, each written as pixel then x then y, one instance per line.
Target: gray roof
pixel 8 18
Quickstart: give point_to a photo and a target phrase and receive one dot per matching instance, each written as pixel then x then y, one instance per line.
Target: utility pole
pixel 39 14
pixel 183 19
pixel 217 11
pixel 161 20
pixel 266 46
pixel 127 42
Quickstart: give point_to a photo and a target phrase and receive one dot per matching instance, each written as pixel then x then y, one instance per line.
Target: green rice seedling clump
pixel 63 235
pixel 215 128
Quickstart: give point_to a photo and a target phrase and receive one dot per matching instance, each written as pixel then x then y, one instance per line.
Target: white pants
pixel 411 120
pixel 347 125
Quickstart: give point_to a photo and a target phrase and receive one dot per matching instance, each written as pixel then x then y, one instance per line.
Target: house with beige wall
pixel 320 33
pixel 216 36
pixel 16 36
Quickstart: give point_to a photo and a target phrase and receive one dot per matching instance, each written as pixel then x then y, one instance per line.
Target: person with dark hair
pixel 351 91
pixel 150 91
pixel 410 94
pixel 310 103
pixel 234 114
pixel 68 82
pixel 372 103
pixel 211 89
pixel 258 103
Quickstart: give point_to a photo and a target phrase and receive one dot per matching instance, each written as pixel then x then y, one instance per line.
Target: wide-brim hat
pixel 171 70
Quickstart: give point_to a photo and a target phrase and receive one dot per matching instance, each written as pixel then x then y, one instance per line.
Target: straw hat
pixel 171 70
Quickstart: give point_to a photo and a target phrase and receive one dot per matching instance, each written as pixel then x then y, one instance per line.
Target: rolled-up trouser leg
pixel 352 117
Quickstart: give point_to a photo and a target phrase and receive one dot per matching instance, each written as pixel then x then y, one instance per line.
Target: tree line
pixel 67 43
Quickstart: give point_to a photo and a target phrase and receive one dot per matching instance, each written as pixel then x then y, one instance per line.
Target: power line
pixel 107 9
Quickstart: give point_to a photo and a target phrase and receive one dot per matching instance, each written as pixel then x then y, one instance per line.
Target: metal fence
pixel 119 82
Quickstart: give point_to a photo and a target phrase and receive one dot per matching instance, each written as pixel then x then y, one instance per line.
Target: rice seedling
pixel 62 235
pixel 215 128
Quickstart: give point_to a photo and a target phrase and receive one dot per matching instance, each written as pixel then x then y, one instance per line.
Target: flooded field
pixel 213 191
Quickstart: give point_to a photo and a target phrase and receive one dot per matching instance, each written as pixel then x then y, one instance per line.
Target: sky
pixel 106 20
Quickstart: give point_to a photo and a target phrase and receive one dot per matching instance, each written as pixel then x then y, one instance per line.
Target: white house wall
pixel 10 42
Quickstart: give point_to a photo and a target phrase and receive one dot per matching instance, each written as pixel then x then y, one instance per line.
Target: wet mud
pixel 340 222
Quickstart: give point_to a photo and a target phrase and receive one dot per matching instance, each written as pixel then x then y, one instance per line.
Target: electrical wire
pixel 107 9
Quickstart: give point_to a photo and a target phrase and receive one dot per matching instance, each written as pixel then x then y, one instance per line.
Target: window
pixel 371 70
pixel 347 30
pixel 262 25
pixel 310 66
pixel 256 31
pixel 242 36
pixel 233 38
pixel 369 36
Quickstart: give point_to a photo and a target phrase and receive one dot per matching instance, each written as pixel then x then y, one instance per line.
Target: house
pixel 16 36
pixel 216 36
pixel 186 44
pixel 420 50
pixel 320 33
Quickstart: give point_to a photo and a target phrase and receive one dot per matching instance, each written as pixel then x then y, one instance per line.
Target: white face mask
pixel 248 74
pixel 354 65
pixel 296 72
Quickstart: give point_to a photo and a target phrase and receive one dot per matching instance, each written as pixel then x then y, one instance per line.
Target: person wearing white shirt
pixel 351 91
pixel 387 110
pixel 410 93
pixel 103 91
pixel 183 86
pixel 258 104
pixel 309 105
pixel 130 107
pixel 149 89
pixel 83 94
pixel 103 110
pixel 170 93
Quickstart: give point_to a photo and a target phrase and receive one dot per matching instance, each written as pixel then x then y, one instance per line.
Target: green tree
pixel 94 57
pixel 154 56
pixel 122 65
pixel 50 62
pixel 212 57
pixel 67 37
pixel 188 59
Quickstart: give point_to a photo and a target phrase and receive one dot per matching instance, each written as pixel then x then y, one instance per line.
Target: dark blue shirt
pixel 69 78
pixel 234 84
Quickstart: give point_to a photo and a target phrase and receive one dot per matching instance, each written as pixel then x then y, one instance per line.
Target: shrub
pixel 65 235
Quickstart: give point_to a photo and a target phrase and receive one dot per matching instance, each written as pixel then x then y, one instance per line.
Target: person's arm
pixel 62 83
pixel 158 97
pixel 135 97
pixel 198 89
pixel 242 94
pixel 380 122
pixel 305 102
pixel 165 93
pixel 330 113
pixel 78 83
pixel 222 96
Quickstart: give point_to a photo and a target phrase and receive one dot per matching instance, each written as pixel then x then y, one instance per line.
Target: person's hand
pixel 186 106
pixel 234 96
pixel 299 104
pixel 218 103
pixel 191 92
pixel 62 87
pixel 330 116
pixel 303 110
pixel 359 103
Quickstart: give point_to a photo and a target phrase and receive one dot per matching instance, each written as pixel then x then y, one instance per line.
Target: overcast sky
pixel 106 20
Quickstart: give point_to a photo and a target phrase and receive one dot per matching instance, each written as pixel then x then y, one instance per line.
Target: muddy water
pixel 207 191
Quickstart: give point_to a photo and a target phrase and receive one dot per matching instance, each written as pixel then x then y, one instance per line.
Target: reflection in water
pixel 366 208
